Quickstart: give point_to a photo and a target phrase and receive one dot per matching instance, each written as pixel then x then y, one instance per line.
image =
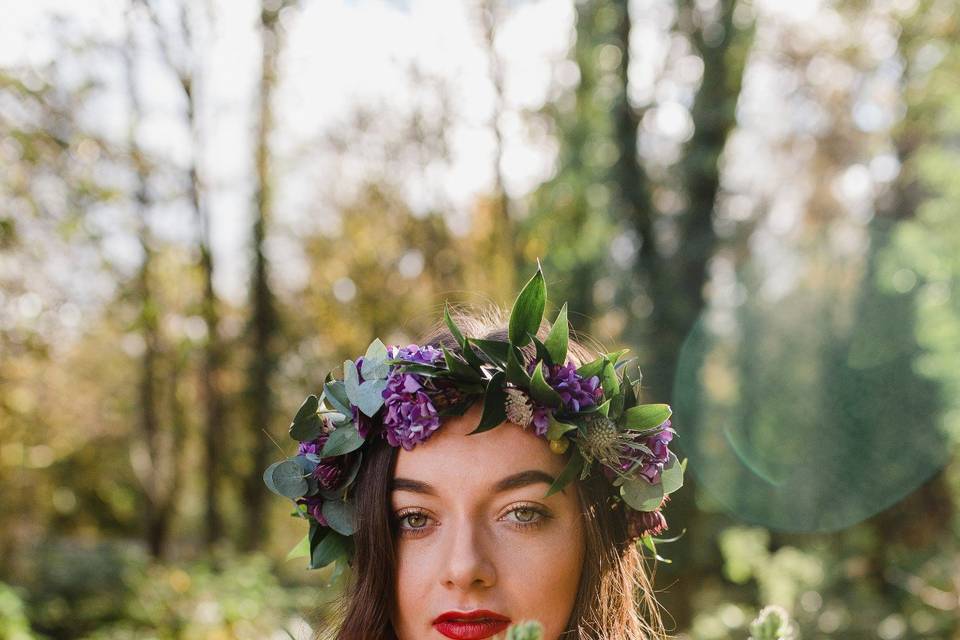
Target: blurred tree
pixel 181 55
pixel 264 318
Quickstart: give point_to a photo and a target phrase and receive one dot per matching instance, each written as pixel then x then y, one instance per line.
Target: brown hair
pixel 615 598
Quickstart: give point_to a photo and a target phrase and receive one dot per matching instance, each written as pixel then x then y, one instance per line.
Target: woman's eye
pixel 525 515
pixel 522 517
pixel 412 522
pixel 415 520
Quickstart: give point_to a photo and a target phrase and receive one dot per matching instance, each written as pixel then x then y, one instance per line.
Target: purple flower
pixel 410 417
pixel 575 391
pixel 650 466
pixel 314 508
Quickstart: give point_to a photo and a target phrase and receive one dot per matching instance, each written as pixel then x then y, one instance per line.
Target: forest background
pixel 205 205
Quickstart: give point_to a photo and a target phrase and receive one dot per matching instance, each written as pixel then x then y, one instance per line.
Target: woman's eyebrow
pixel 515 481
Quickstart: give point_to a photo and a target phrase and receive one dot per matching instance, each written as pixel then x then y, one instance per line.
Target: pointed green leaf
pixel 645 416
pixel 527 311
pixel 570 471
pixel 301 550
pixel 543 392
pixel 558 338
pixel 494 400
pixel 641 495
pixel 496 350
pixel 542 353
pixel 516 373
pixel 604 409
pixel 609 381
pixel 614 356
pixel 460 369
pixel 556 429
pixel 592 368
pixel 327 549
pixel 343 440
pixel 451 325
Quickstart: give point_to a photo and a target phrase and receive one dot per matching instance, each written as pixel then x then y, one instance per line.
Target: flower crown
pixel 401 393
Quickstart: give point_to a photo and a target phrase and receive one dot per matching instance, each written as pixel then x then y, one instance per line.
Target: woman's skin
pixel 462 544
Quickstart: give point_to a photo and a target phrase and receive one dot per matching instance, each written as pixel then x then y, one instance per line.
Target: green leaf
pixel 289 479
pixel 327 548
pixel 527 311
pixel 370 398
pixel 460 369
pixel 494 399
pixel 641 495
pixel 351 380
pixel 672 475
pixel 374 361
pixel 574 464
pixel 615 355
pixel 343 440
pixel 543 392
pixel 301 550
pixel 556 429
pixel 516 373
pixel 496 350
pixel 307 409
pixel 307 429
pixel 340 515
pixel 604 409
pixel 645 416
pixel 556 342
pixel 609 381
pixel 335 392
pixel 592 368
pixel 268 478
pixel 451 325
pixel 542 353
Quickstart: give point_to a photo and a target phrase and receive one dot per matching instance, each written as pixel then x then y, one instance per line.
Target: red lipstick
pixel 470 625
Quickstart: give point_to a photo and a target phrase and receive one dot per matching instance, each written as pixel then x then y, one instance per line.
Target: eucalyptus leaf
pixel 308 408
pixel 672 475
pixel 351 380
pixel 307 429
pixel 374 361
pixel 494 399
pixel 342 440
pixel 289 479
pixel 541 391
pixel 527 311
pixel 335 392
pixel 369 398
pixel 340 515
pixel 268 479
pixel 559 337
pixel 645 416
pixel 641 495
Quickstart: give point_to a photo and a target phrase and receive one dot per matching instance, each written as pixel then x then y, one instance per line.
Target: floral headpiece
pixel 401 394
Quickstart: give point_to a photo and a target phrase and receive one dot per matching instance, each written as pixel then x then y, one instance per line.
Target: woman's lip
pixel 473 630
pixel 471 616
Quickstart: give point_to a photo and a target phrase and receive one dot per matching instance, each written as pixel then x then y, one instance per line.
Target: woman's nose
pixel 467 563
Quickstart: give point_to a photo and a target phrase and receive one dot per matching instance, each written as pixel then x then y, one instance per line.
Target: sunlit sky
pixel 343 54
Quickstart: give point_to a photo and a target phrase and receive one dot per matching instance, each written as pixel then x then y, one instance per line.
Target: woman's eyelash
pixel 542 517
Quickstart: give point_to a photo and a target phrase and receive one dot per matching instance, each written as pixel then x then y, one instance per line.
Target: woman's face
pixel 475 532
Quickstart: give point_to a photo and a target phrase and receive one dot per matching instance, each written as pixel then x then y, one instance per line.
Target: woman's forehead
pixel 451 457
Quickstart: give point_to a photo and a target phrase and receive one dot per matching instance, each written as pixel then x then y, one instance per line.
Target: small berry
pixel 560 446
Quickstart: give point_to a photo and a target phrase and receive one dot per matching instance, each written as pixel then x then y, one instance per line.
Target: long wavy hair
pixel 615 598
